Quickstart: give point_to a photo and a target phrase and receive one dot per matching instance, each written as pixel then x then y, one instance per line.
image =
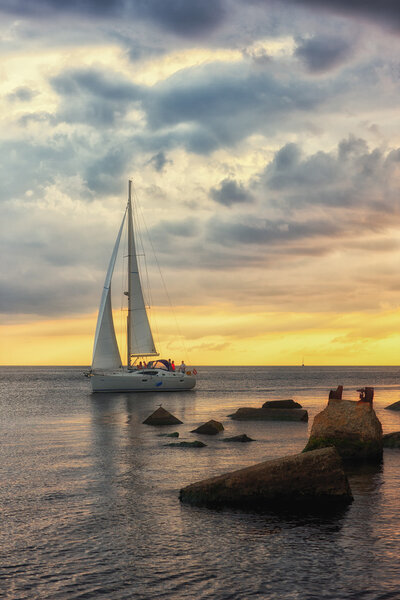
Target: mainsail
pixel 140 338
pixel 105 350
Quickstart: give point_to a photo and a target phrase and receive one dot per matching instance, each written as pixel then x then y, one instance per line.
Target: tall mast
pixel 130 290
pixel 139 338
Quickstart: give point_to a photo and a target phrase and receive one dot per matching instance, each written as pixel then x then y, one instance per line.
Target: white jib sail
pixel 140 338
pixel 105 349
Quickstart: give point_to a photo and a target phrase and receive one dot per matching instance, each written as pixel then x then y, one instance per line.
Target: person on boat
pixel 182 367
pixel 173 365
pixel 140 366
pixel 169 365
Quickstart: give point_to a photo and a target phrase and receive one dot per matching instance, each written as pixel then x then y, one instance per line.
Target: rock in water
pixel 270 414
pixel 281 404
pixel 303 481
pixel 239 438
pixel 352 427
pixel 161 417
pixel 394 406
pixel 174 434
pixel 209 428
pixel 391 440
pixel 195 444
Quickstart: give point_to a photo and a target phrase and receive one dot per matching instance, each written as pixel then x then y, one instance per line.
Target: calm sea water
pixel 89 495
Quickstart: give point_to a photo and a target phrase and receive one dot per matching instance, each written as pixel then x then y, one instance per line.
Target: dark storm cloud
pixel 321 53
pixel 229 192
pixel 94 98
pixel 387 11
pixel 227 103
pixel 288 170
pixel 352 175
pixel 103 174
pixel 95 83
pixel 264 232
pixel 21 94
pixel 184 18
pixel 199 108
pixel 159 161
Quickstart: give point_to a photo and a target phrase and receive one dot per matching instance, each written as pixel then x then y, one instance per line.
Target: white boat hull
pixel 134 381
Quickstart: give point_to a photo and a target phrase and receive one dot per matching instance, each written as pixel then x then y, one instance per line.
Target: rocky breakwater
pixel 315 480
pixel 272 410
pixel 351 427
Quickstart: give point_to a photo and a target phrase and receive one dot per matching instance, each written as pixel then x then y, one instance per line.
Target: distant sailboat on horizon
pixel 107 373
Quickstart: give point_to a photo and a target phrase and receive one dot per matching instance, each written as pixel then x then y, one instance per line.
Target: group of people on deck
pixel 171 366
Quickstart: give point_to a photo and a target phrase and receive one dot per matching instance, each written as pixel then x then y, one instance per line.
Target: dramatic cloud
pixel 182 18
pixel 159 161
pixel 22 94
pixel 229 192
pixel 261 138
pixel 91 97
pixel 386 11
pixel 321 54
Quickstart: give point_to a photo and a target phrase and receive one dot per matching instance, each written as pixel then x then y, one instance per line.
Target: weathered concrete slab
pixel 351 427
pixel 301 482
pixel 270 414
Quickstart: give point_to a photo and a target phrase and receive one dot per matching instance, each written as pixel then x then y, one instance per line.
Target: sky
pixel 263 141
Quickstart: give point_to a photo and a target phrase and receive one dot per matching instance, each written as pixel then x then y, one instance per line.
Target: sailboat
pixel 107 373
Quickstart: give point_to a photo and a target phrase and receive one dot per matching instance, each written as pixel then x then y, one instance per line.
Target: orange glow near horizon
pixel 219 335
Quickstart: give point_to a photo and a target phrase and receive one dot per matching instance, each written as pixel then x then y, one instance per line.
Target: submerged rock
pixel 175 434
pixel 351 427
pixel 210 428
pixel 303 481
pixel 243 438
pixel 195 444
pixel 394 406
pixel 270 414
pixel 391 440
pixel 161 417
pixel 281 404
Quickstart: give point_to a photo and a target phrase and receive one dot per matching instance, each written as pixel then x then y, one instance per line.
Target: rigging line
pixel 166 292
